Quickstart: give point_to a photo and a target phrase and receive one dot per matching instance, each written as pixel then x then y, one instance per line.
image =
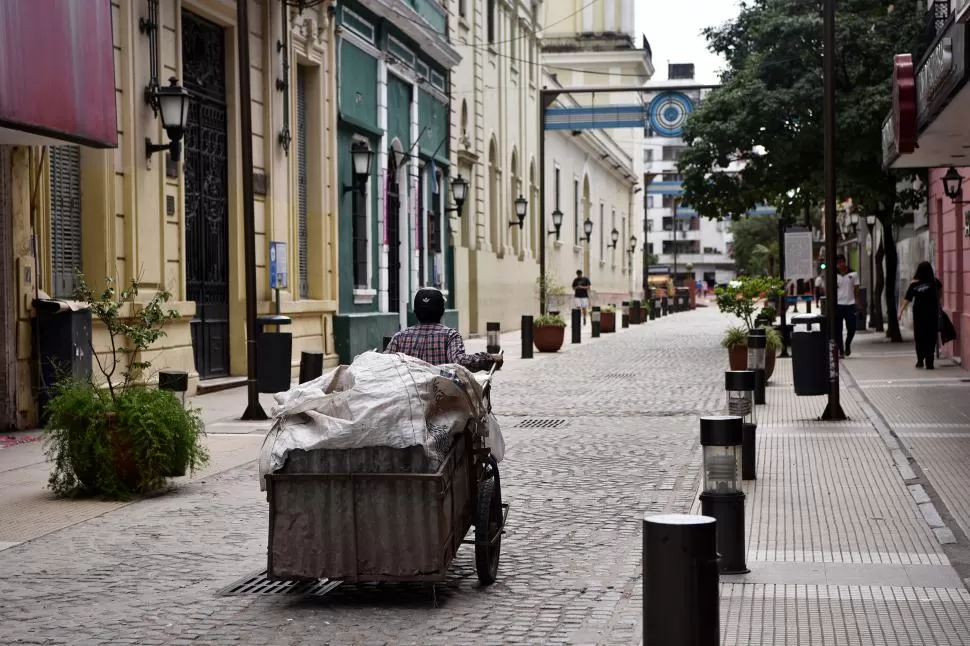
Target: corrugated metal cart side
pixel 357 515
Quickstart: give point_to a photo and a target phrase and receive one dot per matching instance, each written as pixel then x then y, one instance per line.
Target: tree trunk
pixel 880 285
pixel 892 267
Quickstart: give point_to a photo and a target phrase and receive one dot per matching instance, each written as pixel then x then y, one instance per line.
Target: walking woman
pixel 924 293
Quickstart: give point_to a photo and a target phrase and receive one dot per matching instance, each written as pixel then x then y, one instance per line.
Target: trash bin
pixel 62 338
pixel 809 355
pixel 683 299
pixel 274 351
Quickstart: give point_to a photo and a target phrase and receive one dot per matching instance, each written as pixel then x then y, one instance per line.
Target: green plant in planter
pixel 734 336
pixel 739 297
pixel 773 339
pixel 123 438
pixel 553 320
pixel 608 308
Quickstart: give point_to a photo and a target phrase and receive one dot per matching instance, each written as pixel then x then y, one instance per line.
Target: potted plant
pixel 740 297
pixel 766 317
pixel 548 332
pixel 120 437
pixel 735 340
pixel 608 319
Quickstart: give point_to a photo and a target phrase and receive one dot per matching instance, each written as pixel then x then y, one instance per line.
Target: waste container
pixel 809 355
pixel 682 299
pixel 274 351
pixel 62 342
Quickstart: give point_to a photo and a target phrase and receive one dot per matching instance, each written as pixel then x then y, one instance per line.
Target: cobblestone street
pixel 625 443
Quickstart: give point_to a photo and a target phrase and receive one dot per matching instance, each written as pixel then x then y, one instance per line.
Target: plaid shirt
pixel 437 344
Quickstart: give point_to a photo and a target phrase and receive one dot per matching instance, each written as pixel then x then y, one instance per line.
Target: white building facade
pixel 495 146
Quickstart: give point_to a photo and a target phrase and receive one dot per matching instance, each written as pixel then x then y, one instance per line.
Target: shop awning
pixel 57 81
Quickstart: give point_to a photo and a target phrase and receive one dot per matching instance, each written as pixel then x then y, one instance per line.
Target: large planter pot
pixel 738 359
pixel 607 322
pixel 548 338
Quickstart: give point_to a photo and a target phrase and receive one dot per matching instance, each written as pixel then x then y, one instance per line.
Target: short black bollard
pixel 492 343
pixel 739 386
pixel 749 451
pixel 721 496
pixel 176 381
pixel 680 581
pixel 311 364
pixel 757 349
pixel 527 340
pixel 577 325
pixel 664 306
pixel 625 316
pixel 654 309
pixel 595 321
pixel 636 313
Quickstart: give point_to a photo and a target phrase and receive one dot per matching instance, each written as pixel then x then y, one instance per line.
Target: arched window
pixel 494 198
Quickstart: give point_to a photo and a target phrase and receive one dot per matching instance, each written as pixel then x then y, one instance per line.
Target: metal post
pixel 749 451
pixel 577 325
pixel 492 343
pixel 833 410
pixel 595 321
pixel 625 316
pixel 872 274
pixel 757 349
pixel 680 581
pixel 784 297
pixel 254 410
pixel 527 336
pixel 722 497
pixel 311 365
pixel 675 242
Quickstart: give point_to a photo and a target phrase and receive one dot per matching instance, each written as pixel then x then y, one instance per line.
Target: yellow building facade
pixel 178 225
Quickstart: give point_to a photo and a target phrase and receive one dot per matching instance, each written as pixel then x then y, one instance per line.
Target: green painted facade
pixel 361 326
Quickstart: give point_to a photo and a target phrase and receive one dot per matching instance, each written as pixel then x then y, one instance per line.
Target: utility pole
pixel 833 410
pixel 675 241
pixel 254 411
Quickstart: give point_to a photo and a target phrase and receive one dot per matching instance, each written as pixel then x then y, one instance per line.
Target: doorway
pixel 206 170
pixel 393 235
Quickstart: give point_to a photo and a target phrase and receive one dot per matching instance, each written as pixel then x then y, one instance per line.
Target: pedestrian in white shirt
pixel 847 300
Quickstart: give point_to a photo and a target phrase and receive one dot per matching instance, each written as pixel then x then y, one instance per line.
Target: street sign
pixel 798 255
pixel 278 277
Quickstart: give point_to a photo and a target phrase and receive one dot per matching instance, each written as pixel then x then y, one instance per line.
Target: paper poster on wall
pixel 798 255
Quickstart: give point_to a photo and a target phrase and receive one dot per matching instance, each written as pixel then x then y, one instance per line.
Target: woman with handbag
pixel 925 294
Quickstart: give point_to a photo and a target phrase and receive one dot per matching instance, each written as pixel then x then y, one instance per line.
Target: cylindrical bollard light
pixel 594 318
pixel 577 325
pixel 680 581
pixel 527 340
pixel 722 497
pixel 654 308
pixel 625 316
pixel 636 314
pixel 664 306
pixel 757 349
pixel 739 387
pixel 492 344
pixel 311 364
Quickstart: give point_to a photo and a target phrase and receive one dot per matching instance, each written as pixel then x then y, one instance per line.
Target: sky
pixel 674 31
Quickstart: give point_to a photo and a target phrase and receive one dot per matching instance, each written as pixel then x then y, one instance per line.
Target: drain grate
pixel 619 376
pixel 540 423
pixel 259 584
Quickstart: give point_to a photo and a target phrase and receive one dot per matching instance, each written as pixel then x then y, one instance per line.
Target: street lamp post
pixel 871 225
pixel 675 240
pixel 833 410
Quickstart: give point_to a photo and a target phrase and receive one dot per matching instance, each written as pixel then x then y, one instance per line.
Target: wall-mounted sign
pixel 899 129
pixel 942 71
pixel 278 277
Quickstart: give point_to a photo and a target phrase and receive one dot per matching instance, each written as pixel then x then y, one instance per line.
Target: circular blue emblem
pixel 668 111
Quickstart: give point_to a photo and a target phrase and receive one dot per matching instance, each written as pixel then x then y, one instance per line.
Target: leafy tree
pixel 767 115
pixel 749 234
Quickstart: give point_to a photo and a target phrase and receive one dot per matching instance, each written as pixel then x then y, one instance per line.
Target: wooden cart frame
pixel 364 515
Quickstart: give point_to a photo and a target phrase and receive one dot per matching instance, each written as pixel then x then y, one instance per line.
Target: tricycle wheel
pixel 488 532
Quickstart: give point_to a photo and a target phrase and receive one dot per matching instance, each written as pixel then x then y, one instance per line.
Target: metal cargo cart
pixel 378 514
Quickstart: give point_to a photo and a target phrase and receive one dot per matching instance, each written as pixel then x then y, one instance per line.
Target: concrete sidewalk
pixel 847 539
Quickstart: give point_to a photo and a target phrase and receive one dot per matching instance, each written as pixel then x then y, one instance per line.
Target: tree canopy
pixel 767 114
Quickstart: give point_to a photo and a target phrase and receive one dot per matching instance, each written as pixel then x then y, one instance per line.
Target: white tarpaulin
pixel 390 400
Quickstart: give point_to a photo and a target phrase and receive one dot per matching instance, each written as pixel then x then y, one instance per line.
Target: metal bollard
pixel 176 381
pixel 577 325
pixel 664 306
pixel 739 386
pixel 595 321
pixel 721 495
pixel 757 349
pixel 492 343
pixel 680 581
pixel 636 314
pixel 654 309
pixel 749 451
pixel 311 364
pixel 625 316
pixel 527 336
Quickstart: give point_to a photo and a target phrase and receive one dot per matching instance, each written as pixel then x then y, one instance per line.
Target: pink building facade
pixel 948 231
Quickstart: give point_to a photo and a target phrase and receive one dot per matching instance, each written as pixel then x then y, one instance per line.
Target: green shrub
pixel 549 319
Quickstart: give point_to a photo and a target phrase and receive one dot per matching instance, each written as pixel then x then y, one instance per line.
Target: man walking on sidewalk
pixel 581 287
pixel 847 302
